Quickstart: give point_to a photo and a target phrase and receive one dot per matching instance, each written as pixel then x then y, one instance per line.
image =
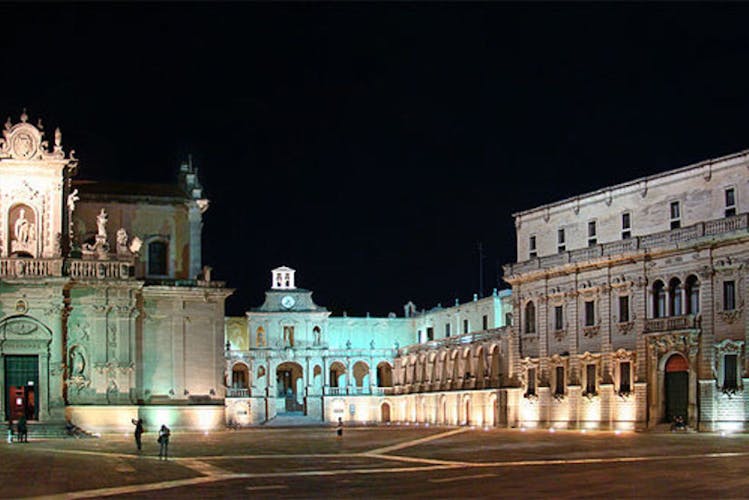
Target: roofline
pixel 634 182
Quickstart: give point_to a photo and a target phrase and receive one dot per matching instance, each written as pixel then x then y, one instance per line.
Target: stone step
pixel 294 420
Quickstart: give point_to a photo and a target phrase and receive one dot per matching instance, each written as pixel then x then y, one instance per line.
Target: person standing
pixel 339 427
pixel 10 431
pixel 23 436
pixel 138 432
pixel 163 441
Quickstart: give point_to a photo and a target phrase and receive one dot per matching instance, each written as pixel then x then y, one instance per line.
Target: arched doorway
pixel 384 375
pixel 385 412
pixel 677 387
pixel 290 385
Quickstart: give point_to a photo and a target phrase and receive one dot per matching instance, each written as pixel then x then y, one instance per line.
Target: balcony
pixel 674 238
pixel 236 392
pixel 22 267
pixel 672 323
pixel 468 338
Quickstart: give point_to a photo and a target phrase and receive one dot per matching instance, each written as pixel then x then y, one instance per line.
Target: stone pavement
pixel 382 462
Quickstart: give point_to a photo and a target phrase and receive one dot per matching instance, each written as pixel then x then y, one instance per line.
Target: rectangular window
pixel 561 242
pixel 675 215
pixel 531 382
pixel 623 308
pixel 730 381
pixel 592 240
pixel 157 258
pixel 430 333
pixel 590 316
pixel 626 226
pixel 624 377
pixel 558 318
pixel 730 202
pixel 729 295
pixel 447 329
pixel 485 322
pixel 465 326
pixel 532 247
pixel 559 385
pixel 590 379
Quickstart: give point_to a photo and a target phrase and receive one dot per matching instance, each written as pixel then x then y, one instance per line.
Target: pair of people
pixel 163 438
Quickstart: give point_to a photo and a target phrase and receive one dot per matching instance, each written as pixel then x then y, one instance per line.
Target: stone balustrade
pixel 237 392
pixel 671 323
pixel 664 239
pixel 19 267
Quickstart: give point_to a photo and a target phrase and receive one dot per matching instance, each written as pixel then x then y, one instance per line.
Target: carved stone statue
pixel 122 249
pixel 101 224
pixel 58 138
pixel 21 228
pixel 72 198
pixel 135 245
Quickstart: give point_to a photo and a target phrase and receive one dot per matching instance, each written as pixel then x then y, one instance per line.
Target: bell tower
pixel 282 278
pixel 35 197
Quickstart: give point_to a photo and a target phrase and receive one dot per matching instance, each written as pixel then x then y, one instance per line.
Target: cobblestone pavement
pixel 382 462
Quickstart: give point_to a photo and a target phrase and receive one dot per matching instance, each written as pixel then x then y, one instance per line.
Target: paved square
pixel 382 462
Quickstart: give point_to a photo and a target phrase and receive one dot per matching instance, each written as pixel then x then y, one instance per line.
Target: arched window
pixel 157 258
pixel 659 299
pixel 693 295
pixel 260 337
pixel 530 317
pixel 675 305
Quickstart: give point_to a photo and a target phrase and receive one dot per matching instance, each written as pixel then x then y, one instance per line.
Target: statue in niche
pixel 22 228
pixel 77 363
pixel 316 332
pixel 101 224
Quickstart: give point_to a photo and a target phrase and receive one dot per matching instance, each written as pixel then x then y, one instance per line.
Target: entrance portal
pixel 677 387
pixel 21 387
pixel 290 385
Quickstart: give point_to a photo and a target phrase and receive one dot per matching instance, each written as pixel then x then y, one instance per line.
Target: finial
pixel 24 116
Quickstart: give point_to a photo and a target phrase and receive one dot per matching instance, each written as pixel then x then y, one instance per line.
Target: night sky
pixel 372 146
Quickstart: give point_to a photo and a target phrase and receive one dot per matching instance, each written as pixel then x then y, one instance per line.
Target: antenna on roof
pixel 481 269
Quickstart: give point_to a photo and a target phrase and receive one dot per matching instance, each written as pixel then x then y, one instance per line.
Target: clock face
pixel 288 301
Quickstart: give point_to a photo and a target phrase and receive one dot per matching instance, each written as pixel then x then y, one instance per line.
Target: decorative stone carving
pixel 100 247
pixel 625 328
pixel 685 343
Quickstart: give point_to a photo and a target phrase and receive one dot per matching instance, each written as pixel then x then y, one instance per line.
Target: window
pixel 730 202
pixel 531 382
pixel 447 329
pixel 508 319
pixel 430 333
pixel 693 295
pixel 485 322
pixel 626 226
pixel 623 308
pixel 592 240
pixel 157 255
pixel 674 294
pixel 530 318
pixel 465 326
pixel 590 379
pixel 590 316
pixel 558 318
pixel 659 299
pixel 288 336
pixel 730 380
pixel 561 246
pixel 625 369
pixel 675 215
pixel 559 381
pixel 532 247
pixel 729 295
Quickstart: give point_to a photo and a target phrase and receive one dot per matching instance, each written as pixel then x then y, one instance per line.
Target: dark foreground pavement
pixel 383 462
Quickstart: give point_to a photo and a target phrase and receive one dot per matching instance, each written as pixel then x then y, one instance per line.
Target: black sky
pixel 371 146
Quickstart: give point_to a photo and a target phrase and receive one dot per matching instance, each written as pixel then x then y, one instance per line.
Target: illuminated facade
pixel 289 356
pixel 89 331
pixel 630 303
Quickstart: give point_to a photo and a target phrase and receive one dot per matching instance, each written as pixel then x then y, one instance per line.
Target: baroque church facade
pixel 106 313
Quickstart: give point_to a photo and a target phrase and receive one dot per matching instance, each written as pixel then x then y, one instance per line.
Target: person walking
pixel 163 441
pixel 138 432
pixel 339 427
pixel 10 431
pixel 23 436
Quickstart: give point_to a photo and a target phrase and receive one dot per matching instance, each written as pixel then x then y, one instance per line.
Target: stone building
pixel 290 356
pixel 630 303
pixel 106 313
